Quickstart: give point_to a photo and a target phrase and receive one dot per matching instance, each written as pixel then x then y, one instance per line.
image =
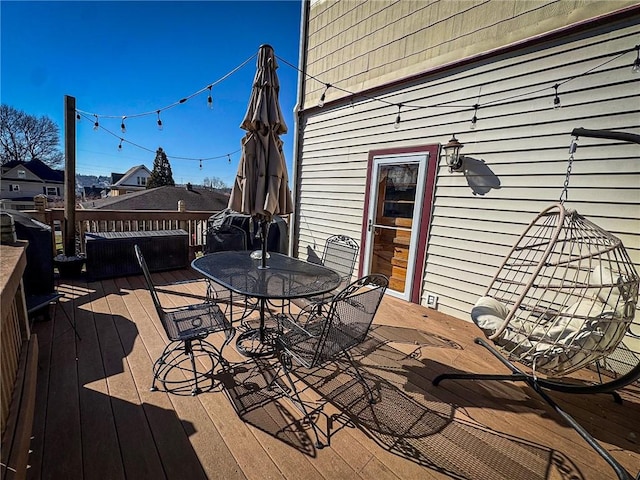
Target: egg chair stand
pixel 563 306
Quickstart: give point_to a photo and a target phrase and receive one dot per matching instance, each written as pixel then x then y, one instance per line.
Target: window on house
pixel 14 188
pixel 142 181
pixel 52 191
pixel 22 174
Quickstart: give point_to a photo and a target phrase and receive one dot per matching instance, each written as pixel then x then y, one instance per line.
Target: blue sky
pixel 125 58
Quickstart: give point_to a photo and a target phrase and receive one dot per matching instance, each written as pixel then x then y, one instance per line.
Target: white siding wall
pixel 519 138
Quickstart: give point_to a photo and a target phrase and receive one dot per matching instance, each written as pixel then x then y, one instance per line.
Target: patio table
pixel 283 278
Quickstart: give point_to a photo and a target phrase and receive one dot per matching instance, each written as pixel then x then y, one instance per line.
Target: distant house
pixel 93 192
pixel 133 180
pixel 21 181
pixel 164 198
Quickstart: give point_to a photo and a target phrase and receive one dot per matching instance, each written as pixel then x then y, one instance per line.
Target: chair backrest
pixel 225 238
pixel 340 254
pixel 147 277
pixel 350 316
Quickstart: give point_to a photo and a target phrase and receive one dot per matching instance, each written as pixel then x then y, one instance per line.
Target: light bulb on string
pixel 120 145
pixel 556 99
pixel 229 157
pixel 210 98
pixel 96 125
pixel 396 125
pixel 200 164
pixel 123 127
pixel 159 121
pixel 323 96
pixel 474 120
pixel 636 64
pixel 78 117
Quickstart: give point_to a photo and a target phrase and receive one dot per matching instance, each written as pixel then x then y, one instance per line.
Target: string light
pixel 210 98
pixel 123 128
pixel 396 125
pixel 556 99
pixel 447 104
pixel 153 150
pixel 474 120
pixel 120 145
pixel 200 164
pixel 327 86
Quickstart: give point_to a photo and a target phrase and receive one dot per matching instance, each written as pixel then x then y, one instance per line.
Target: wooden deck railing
pixel 19 350
pixel 94 221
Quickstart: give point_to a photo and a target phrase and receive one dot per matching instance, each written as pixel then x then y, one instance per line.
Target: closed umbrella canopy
pixel 261 187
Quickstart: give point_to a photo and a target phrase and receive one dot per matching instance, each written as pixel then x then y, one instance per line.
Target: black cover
pixel 277 238
pixel 38 275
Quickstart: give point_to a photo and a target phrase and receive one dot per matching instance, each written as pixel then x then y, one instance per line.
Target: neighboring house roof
pixel 38 168
pixel 116 177
pixel 131 173
pixel 164 198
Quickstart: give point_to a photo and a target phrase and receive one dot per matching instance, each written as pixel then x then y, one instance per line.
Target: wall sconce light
pixel 452 154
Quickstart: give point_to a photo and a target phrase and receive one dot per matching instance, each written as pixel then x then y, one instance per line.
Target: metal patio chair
pixel 187 328
pixel 340 254
pixel 321 335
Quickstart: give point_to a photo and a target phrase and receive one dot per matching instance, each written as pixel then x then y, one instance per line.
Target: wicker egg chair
pixel 564 300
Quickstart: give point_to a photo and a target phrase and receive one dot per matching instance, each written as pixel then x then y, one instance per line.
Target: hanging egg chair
pixel 564 300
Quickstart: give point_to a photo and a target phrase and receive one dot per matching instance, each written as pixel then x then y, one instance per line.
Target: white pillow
pixel 489 314
pixel 612 292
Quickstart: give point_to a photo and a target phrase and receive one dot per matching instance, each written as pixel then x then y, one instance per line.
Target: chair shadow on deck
pixel 245 384
pixel 101 428
pixel 418 368
pixel 406 423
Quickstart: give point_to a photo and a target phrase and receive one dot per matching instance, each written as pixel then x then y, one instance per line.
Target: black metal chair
pixel 321 335
pixel 186 327
pixel 340 254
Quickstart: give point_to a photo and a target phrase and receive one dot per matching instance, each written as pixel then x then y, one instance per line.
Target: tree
pixel 161 174
pixel 214 183
pixel 25 137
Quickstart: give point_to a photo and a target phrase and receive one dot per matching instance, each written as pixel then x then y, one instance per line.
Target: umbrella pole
pixel 264 229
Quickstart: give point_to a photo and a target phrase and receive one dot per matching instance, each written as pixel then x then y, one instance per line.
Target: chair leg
pixel 361 378
pixel 178 377
pixel 188 350
pixel 297 401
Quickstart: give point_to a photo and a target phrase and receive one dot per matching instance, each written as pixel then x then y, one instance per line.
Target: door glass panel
pixel 396 195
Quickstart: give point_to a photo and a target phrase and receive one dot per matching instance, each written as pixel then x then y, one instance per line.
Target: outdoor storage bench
pixel 111 254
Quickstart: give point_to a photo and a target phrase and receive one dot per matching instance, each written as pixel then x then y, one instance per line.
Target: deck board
pixel 96 418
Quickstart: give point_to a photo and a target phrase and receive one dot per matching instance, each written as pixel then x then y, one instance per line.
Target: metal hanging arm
pixel 607 134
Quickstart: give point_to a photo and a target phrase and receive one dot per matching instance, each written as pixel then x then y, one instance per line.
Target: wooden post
pixel 69 176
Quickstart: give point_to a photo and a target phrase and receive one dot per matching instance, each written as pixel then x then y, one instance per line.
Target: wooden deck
pixel 96 418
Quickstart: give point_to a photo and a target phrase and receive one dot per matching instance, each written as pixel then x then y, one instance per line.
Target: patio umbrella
pixel 261 188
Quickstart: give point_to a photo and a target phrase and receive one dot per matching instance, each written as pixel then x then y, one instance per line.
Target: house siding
pixel 519 141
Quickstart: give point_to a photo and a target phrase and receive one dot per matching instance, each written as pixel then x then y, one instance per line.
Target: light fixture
pixel 123 127
pixel 636 64
pixel 210 98
pixel 474 120
pixel 96 125
pixel 397 124
pixel 159 121
pixel 322 97
pixel 452 153
pixel 120 145
pixel 556 99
